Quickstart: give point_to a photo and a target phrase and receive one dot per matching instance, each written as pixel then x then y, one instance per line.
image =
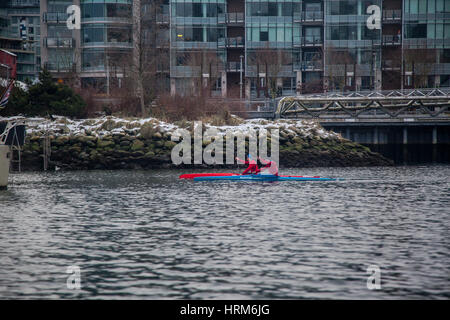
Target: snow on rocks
pixel 108 125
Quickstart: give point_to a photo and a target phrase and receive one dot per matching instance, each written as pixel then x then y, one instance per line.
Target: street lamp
pixel 240 82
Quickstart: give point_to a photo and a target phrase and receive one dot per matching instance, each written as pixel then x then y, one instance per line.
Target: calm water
pixel 146 234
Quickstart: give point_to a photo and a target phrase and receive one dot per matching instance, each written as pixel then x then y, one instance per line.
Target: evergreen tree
pixel 45 97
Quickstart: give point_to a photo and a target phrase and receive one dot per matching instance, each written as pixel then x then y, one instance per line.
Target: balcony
pixel 24 3
pixel 162 43
pixel 185 71
pixel 59 42
pixel 390 65
pixel 233 66
pixel 162 18
pixel 343 69
pixel 309 17
pixel 115 20
pixel 59 67
pixel 392 16
pixel 311 65
pixel 55 17
pixel 392 40
pixel 231 42
pixel 232 18
pixel 312 41
pixel 424 43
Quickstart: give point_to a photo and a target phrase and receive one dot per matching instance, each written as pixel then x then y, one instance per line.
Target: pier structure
pixel 12 138
pixel 407 125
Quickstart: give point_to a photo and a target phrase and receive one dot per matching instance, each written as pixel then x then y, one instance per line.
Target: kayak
pixel 194 175
pixel 197 175
pixel 258 177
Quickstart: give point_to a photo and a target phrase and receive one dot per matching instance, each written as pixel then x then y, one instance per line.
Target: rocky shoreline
pixel 114 143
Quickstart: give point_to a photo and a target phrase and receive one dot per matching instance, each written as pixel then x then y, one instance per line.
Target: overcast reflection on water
pixel 147 234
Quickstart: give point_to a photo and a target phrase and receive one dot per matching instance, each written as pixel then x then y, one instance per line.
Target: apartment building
pixel 97 51
pixel 20 34
pixel 292 47
pixel 249 49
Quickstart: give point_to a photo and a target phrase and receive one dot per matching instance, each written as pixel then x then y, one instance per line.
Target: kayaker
pixel 252 165
pixel 269 166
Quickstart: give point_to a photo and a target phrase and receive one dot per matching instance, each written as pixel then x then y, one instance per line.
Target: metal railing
pixel 59 67
pixel 7 33
pixel 24 3
pixel 231 18
pixel 392 40
pixel 308 16
pixel 391 64
pixel 119 20
pixel 312 41
pixel 162 18
pixel 59 42
pixel 424 104
pixel 311 65
pixel 233 66
pixel 238 42
pixel 392 15
pixel 55 17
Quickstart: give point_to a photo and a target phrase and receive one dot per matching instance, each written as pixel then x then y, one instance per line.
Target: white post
pixel 107 74
pixel 405 135
pixel 434 135
pixel 5 156
pixel 240 82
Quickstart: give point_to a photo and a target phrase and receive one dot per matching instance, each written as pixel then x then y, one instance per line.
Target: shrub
pixel 192 108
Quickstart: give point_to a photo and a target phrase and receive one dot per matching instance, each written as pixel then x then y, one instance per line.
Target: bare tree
pixel 338 63
pixel 420 62
pixel 391 64
pixel 270 62
pixel 203 63
pixel 148 50
pixel 316 85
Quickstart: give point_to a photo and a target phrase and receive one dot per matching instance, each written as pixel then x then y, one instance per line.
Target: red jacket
pixel 252 166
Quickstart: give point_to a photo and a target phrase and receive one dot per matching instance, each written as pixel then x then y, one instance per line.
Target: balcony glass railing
pixel 162 18
pixel 311 65
pixel 392 39
pixel 235 17
pixel 392 15
pixel 59 67
pixel 311 16
pixel 231 18
pixel 55 17
pixel 24 3
pixel 391 64
pixel 107 19
pixel 312 40
pixel 235 42
pixel 59 42
pixel 233 66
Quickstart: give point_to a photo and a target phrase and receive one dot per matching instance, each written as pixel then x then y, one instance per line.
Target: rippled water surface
pixel 147 234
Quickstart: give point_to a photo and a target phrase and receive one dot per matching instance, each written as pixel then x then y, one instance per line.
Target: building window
pixel 93 10
pixel 264 36
pixel 408 80
pixel 445 80
pixel 350 81
pixel 366 82
pixel 416 30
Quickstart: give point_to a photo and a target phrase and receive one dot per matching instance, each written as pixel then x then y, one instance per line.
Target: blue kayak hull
pixel 261 178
